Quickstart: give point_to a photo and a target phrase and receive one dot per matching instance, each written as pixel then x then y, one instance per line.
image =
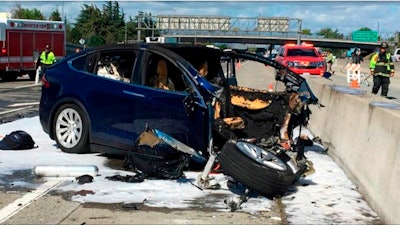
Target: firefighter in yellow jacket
pixel 46 58
pixel 382 68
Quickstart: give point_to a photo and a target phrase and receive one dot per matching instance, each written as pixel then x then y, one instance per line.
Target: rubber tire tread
pixel 254 175
pixel 83 145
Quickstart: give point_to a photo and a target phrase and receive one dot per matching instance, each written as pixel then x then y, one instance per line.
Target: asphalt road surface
pixel 340 78
pixel 18 99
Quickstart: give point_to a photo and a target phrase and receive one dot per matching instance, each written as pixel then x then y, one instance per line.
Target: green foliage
pixel 55 16
pixel 329 33
pixel 20 13
pixel 131 29
pixel 96 40
pixel 104 26
pixel 306 32
pixel 365 29
pixel 223 46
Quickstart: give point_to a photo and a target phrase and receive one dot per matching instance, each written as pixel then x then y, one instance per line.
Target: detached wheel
pixel 71 129
pixel 257 168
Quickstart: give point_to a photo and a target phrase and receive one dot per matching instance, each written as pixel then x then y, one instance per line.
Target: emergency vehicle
pixel 302 59
pixel 22 41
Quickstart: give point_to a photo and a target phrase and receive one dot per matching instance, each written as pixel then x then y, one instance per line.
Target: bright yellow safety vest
pixel 50 59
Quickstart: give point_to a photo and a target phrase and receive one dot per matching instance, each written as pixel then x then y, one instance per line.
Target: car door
pixel 110 108
pixel 181 113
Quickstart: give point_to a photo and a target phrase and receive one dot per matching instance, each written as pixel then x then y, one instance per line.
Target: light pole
pixel 139 25
pixel 126 32
pixel 299 34
pixel 378 28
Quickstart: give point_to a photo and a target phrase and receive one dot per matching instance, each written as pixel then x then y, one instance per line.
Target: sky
pixel 345 16
pixel 324 197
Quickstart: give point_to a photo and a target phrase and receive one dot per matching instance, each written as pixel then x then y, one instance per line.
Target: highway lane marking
pixel 19 204
pixel 28 85
pixel 15 110
pixel 23 104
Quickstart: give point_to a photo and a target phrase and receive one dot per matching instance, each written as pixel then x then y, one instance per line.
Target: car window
pixel 84 63
pixel 162 73
pixel 281 51
pixel 301 52
pixel 116 65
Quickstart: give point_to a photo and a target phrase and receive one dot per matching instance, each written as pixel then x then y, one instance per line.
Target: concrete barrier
pixel 363 132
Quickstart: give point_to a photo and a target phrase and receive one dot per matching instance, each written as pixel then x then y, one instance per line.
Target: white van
pixel 396 55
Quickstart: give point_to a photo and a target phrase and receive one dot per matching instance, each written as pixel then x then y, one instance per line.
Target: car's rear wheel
pixel 257 168
pixel 71 130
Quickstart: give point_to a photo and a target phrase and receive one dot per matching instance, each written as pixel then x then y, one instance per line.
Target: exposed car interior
pixel 116 65
pixel 155 67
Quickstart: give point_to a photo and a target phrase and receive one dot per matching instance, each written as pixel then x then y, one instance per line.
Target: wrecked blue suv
pixel 108 100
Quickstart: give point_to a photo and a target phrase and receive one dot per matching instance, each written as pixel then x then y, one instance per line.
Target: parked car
pixel 103 100
pixel 302 59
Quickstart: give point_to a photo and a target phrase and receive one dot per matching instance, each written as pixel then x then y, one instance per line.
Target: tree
pixel 20 13
pixel 306 32
pixel 329 33
pixel 131 28
pixel 99 27
pixel 365 29
pixel 55 16
pixel 114 25
pixel 89 23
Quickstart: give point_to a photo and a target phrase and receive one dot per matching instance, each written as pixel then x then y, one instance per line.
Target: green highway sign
pixel 365 36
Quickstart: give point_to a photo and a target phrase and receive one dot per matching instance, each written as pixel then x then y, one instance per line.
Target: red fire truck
pixel 22 41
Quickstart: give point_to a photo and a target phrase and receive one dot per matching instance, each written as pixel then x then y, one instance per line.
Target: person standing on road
pixel 382 68
pixel 329 61
pixel 46 58
pixel 356 58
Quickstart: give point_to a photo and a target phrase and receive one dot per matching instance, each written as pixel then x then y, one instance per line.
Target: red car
pixel 302 59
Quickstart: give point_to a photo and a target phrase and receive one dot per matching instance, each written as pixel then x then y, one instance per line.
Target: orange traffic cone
pixel 354 84
pixel 270 87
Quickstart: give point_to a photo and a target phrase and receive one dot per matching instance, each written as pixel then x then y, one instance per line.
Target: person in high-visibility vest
pixel 382 68
pixel 329 61
pixel 47 58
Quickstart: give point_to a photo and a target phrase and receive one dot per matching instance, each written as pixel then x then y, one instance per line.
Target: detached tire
pixel 71 130
pixel 257 168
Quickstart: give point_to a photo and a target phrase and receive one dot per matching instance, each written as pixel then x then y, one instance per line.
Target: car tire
pixel 71 130
pixel 268 180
